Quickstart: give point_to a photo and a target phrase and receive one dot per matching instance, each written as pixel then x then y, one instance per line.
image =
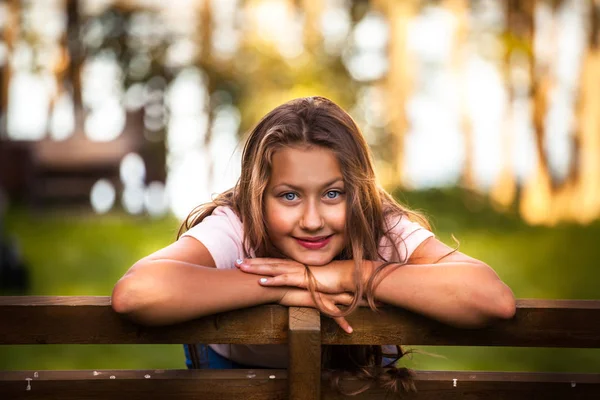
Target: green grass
pixel 84 255
pixel 536 262
pixel 75 254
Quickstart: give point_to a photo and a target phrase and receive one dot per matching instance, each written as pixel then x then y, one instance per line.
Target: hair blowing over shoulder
pixel 317 121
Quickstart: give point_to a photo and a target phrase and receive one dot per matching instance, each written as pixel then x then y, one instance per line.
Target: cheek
pixel 278 220
pixel 337 218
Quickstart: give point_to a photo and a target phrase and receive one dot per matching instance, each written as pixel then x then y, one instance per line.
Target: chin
pixel 316 260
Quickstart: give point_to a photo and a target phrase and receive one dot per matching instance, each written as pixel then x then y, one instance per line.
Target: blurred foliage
pixel 132 38
pixel 83 254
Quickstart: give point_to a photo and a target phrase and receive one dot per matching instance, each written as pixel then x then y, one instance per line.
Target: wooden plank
pixel 145 385
pixel 473 385
pixel 537 323
pixel 272 384
pixel 86 320
pixel 497 376
pixel 67 320
pixel 305 354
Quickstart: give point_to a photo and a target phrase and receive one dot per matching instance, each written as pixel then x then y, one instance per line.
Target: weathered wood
pixel 305 354
pixel 272 384
pixel 440 385
pixel 537 323
pixel 145 385
pixel 69 320
pixel 87 320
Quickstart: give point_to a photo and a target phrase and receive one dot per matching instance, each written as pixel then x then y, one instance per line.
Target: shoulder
pixel 401 237
pixel 401 224
pixel 221 218
pixel 222 234
pixel 224 211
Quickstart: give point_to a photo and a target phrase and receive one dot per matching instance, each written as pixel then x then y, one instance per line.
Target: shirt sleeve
pixel 221 233
pixel 403 237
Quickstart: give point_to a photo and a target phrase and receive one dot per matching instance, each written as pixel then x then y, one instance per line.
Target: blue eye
pixel 332 194
pixel 290 196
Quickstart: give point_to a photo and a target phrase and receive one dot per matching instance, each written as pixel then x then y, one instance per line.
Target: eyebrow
pixel 299 189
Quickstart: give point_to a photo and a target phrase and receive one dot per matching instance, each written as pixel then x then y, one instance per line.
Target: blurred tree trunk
pixel 585 205
pixel 536 195
pixel 11 33
pixel 206 63
pixel 205 56
pixel 398 82
pixel 578 198
pixel 504 190
pixel 75 52
pixel 204 31
pixel 67 68
pixel 460 11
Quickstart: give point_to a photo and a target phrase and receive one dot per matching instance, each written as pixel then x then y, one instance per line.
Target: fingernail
pixel 350 329
pixel 263 280
pixel 239 261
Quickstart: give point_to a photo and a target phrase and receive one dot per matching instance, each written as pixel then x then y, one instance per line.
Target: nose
pixel 312 220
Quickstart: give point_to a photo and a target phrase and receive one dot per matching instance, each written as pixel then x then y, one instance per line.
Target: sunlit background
pixel 119 117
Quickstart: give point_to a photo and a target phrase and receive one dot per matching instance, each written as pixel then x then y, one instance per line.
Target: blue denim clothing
pixel 210 359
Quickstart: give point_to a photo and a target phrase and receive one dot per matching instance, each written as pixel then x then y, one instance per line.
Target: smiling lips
pixel 314 243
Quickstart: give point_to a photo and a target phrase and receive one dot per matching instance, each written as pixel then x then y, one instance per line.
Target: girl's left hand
pixel 335 277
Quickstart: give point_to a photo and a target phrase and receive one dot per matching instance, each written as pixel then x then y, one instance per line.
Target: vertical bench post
pixel 304 341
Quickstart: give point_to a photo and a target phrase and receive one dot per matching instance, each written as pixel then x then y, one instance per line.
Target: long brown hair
pixel 317 121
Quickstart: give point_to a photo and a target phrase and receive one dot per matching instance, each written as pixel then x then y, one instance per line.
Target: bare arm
pixel 180 282
pixel 458 290
pixel 455 289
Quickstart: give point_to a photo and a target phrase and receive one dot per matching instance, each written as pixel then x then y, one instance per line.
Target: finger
pixel 256 268
pixel 272 269
pixel 364 303
pixel 259 269
pixel 269 261
pixel 342 322
pixel 295 280
pixel 346 299
pixel 343 299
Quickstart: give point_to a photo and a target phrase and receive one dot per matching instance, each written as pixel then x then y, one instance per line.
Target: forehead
pixel 304 166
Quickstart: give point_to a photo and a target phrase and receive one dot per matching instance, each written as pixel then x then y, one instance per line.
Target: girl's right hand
pixel 334 278
pixel 303 298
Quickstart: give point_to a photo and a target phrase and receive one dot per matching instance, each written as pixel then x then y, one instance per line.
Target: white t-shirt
pixel 222 234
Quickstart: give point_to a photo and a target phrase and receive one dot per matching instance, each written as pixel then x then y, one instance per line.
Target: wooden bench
pixel 90 320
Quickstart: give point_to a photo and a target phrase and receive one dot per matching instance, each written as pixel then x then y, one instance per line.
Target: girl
pixel 306 225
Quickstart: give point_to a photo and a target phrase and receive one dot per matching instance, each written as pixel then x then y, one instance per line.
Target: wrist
pixel 273 295
pixel 348 282
pixel 367 271
pixel 248 283
pixel 346 275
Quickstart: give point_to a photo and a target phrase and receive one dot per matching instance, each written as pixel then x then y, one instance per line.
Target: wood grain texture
pixel 305 354
pixel 145 385
pixel 71 320
pixel 440 385
pixel 91 320
pixel 537 323
pixel 272 384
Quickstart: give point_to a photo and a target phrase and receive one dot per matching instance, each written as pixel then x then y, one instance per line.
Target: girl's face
pixel 305 205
